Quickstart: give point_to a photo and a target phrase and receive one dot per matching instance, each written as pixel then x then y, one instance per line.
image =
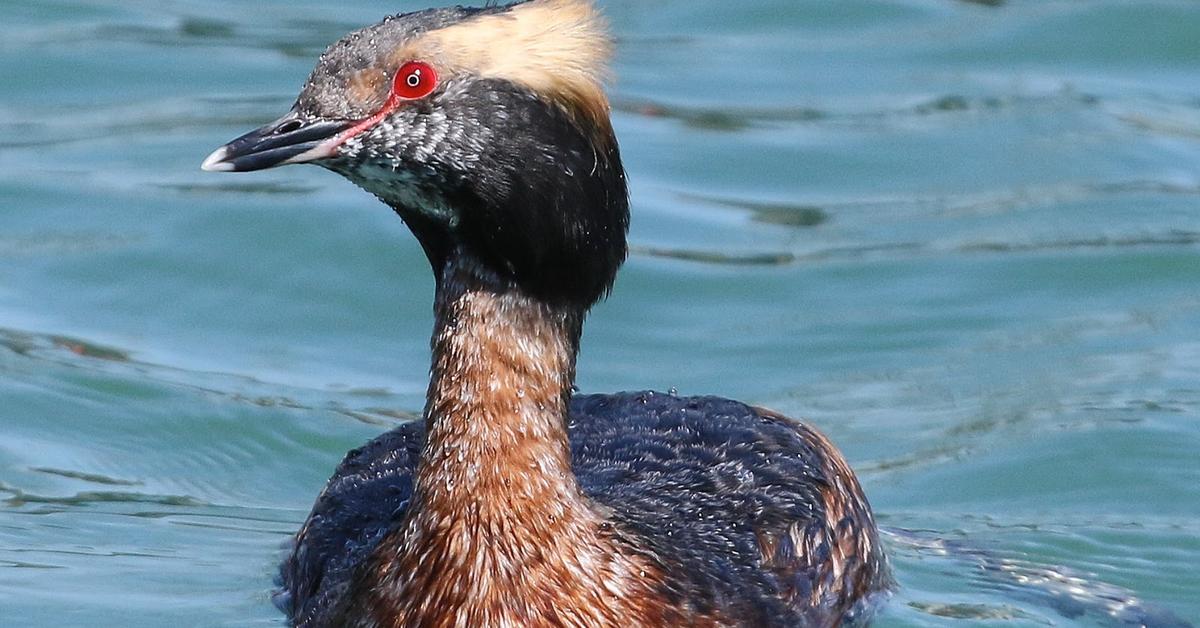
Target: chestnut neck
pixel 503 367
pixel 498 531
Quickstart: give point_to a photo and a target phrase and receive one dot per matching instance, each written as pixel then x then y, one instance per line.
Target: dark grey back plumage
pixel 699 482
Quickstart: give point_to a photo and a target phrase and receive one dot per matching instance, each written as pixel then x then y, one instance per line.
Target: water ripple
pixel 94 478
pixel 20 498
pixel 63 350
pixel 733 118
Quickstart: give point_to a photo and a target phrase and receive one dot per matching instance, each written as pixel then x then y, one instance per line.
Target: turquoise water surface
pixel 962 238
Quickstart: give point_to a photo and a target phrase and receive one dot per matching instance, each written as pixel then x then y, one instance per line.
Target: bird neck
pixel 503 367
pixel 498 531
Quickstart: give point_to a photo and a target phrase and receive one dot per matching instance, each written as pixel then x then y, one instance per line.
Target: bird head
pixel 486 129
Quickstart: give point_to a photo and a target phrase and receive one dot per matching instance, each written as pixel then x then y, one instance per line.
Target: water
pixel 963 238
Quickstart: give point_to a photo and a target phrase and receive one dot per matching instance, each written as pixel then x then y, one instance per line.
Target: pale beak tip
pixel 216 162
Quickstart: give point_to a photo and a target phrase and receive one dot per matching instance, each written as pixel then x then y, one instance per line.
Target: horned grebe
pixel 516 502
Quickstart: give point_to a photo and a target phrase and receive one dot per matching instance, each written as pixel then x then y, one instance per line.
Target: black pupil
pixel 414 79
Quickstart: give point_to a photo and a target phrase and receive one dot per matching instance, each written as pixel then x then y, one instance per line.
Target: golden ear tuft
pixel 558 49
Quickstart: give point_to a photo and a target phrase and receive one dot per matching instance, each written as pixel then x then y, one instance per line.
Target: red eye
pixel 414 80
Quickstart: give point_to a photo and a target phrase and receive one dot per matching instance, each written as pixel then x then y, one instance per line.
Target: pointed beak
pixel 288 140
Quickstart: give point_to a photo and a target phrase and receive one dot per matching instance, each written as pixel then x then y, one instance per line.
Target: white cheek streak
pixel 437 130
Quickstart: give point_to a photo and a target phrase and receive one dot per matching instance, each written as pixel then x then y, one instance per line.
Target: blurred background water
pixel 962 238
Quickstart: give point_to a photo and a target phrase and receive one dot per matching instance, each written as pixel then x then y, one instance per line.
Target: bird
pixel 515 500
